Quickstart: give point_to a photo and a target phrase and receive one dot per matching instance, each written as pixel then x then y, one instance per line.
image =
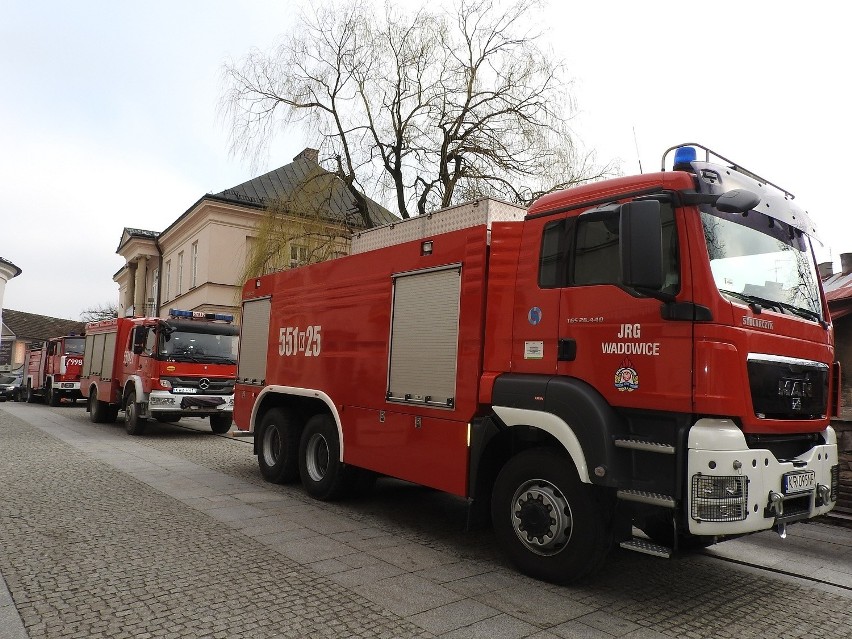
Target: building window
pixel 180 273
pixel 193 275
pixel 298 255
pixel 168 281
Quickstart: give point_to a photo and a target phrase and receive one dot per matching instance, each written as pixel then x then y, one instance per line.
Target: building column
pixel 139 287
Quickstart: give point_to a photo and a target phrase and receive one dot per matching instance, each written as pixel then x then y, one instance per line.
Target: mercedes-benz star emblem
pixel 204 383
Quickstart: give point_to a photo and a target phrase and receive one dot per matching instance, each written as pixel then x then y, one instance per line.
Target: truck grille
pixel 787 388
pixel 214 386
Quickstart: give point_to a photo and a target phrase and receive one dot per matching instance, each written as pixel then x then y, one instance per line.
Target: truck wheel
pixel 53 396
pixel 101 412
pixel 221 422
pixel 546 520
pixel 96 408
pixel 279 446
pixel 30 396
pixel 323 475
pixel 133 422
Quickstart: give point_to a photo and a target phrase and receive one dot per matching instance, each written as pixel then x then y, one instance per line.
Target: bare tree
pixel 424 109
pixel 99 312
pixel 311 224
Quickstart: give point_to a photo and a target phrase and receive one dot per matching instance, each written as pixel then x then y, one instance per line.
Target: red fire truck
pixel 52 370
pixel 651 352
pixel 163 369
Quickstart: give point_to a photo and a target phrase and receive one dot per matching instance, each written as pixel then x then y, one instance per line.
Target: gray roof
pixel 130 233
pixel 304 185
pixel 29 326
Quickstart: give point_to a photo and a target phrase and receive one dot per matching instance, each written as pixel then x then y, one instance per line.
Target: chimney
pixel 826 270
pixel 846 263
pixel 311 155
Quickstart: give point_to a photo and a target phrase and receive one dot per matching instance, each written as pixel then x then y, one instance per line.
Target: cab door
pixel 632 348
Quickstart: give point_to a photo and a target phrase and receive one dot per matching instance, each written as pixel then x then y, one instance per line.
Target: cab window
pixel 585 251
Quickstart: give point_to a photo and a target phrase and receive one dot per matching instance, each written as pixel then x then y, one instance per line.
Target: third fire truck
pixel 162 369
pixel 650 352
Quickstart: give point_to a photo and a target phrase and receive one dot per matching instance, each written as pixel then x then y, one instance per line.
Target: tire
pixel 547 522
pixel 278 449
pixel 133 422
pixel 167 418
pixel 31 398
pixel 52 396
pixel 323 475
pixel 221 422
pixel 97 408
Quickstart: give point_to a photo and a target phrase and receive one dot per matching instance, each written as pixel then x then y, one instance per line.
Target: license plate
pixel 798 481
pixel 188 391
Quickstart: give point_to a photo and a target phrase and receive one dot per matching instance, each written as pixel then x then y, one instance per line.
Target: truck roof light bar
pixel 220 317
pixel 685 154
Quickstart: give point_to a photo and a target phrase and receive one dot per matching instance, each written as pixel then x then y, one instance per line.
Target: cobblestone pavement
pixel 175 534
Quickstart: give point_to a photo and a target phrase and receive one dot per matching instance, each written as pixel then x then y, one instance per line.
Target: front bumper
pixel 166 402
pixel 732 489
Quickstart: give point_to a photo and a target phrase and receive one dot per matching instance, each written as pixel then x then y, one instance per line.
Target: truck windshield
pixel 186 346
pixel 758 260
pixel 75 345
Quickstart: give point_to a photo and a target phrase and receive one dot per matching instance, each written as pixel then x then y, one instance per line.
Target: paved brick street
pixel 175 534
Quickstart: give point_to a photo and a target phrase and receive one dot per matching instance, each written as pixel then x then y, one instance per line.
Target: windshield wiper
pixel 754 300
pixel 773 304
pixel 219 359
pixel 801 312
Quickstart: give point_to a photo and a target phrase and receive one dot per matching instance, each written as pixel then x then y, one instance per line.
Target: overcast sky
pixel 108 113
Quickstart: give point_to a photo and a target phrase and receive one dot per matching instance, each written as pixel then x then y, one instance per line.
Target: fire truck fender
pixel 136 381
pixel 294 391
pixel 553 425
pixel 570 410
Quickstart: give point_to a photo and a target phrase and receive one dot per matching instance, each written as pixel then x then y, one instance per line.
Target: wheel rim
pixel 317 457
pixel 541 517
pixel 271 445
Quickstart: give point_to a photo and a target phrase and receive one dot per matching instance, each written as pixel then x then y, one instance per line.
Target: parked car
pixel 10 386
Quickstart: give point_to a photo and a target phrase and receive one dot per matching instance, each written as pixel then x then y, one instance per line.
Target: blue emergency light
pixel 222 317
pixel 683 157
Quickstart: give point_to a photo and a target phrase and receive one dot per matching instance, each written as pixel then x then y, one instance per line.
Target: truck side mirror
pixel 641 231
pixel 737 201
pixel 140 336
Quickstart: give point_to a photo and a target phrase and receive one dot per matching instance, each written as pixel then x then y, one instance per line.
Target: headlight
pixel 719 498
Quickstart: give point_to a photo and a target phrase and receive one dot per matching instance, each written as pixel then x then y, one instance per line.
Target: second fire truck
pixel 163 369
